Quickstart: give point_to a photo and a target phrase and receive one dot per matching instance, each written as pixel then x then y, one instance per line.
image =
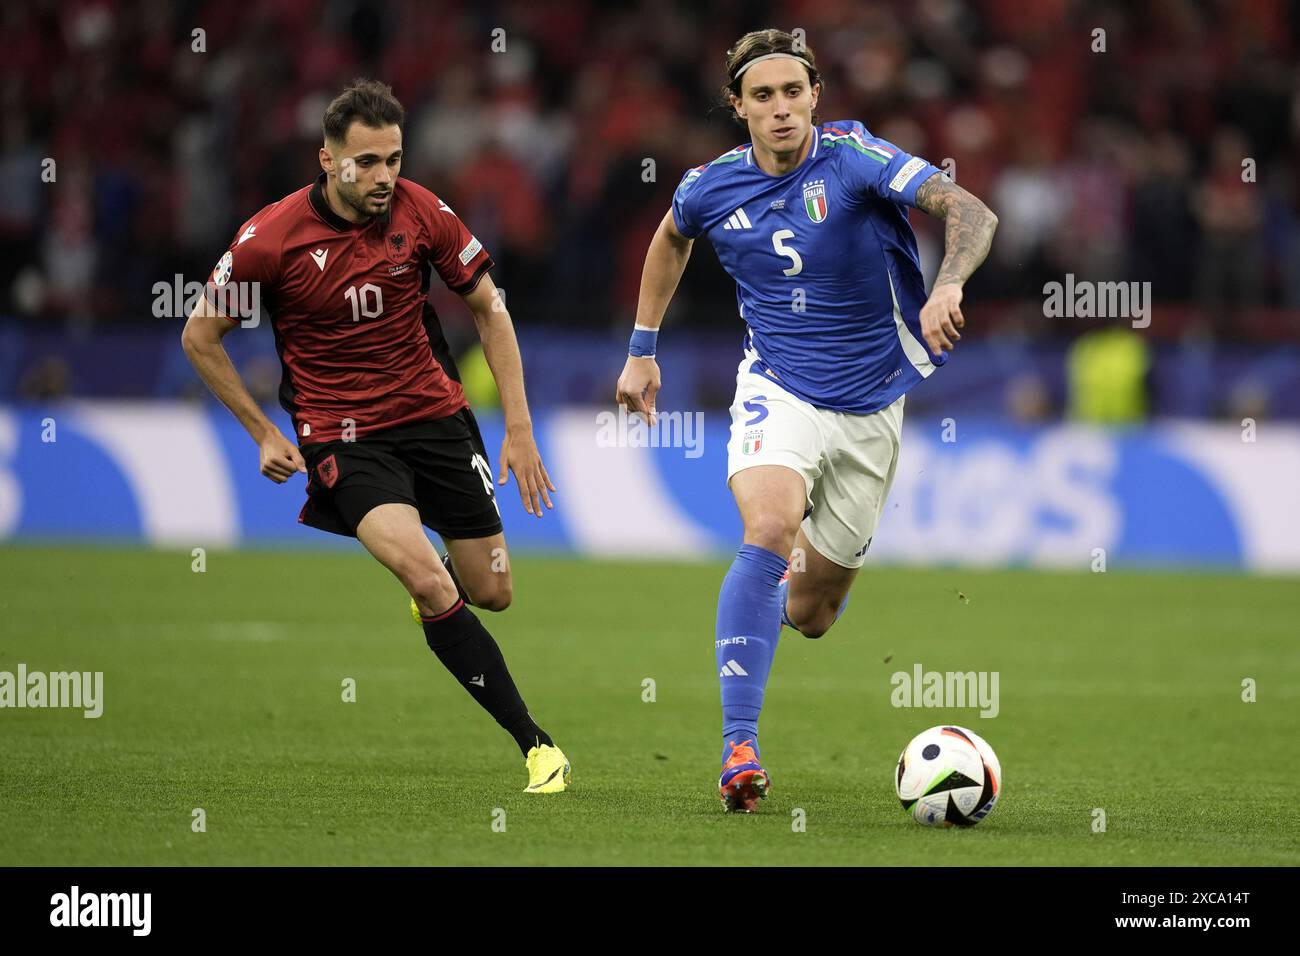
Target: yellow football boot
pixel 548 770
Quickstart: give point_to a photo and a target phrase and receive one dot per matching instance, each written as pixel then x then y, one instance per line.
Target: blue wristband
pixel 643 343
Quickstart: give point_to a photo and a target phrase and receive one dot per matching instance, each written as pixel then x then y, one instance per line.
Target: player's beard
pixel 351 194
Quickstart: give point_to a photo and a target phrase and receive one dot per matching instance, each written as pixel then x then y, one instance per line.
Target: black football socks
pixel 467 650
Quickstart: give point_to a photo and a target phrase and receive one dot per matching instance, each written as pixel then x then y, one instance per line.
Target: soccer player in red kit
pixel 388 442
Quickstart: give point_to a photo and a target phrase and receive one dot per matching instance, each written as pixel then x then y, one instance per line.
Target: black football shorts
pixel 440 468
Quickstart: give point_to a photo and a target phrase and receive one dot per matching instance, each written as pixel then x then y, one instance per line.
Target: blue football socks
pixel 749 626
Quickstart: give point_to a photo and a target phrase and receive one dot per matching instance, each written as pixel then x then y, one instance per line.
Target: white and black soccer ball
pixel 948 776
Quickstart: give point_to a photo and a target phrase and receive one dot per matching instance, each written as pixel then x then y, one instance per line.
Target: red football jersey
pixel 348 302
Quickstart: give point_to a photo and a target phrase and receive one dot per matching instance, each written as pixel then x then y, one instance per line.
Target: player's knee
pixel 812 618
pixel 495 595
pixel 772 531
pixel 433 592
pixel 816 626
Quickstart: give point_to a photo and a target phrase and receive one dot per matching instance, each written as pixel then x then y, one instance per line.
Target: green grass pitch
pixel 223 691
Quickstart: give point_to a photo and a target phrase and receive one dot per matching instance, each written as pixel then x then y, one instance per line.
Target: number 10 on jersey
pixel 368 301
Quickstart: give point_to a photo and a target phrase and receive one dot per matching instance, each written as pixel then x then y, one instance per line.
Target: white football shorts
pixel 847 461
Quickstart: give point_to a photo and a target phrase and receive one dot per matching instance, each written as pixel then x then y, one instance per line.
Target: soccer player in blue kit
pixel 811 220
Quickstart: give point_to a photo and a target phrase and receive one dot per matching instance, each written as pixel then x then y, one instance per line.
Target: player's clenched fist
pixel 280 457
pixel 941 318
pixel 638 385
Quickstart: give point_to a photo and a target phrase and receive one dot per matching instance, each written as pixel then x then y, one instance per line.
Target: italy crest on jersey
pixel 814 199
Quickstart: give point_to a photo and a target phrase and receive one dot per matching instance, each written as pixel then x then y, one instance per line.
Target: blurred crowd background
pixel 1172 157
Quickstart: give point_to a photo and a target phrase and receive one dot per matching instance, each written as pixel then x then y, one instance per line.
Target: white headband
pixel 771 56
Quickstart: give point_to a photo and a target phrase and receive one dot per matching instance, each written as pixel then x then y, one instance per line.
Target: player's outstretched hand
pixel 941 318
pixel 638 386
pixel 519 454
pixel 280 457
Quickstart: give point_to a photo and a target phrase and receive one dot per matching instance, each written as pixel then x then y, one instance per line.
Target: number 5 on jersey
pixel 778 243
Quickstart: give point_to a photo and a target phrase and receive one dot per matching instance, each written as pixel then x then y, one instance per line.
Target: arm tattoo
pixel 968 229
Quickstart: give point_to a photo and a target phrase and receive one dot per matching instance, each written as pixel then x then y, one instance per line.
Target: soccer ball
pixel 948 776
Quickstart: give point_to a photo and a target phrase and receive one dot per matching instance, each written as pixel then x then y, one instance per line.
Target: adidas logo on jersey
pixel 738 220
pixel 732 669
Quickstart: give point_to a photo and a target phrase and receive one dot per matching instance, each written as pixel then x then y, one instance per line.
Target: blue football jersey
pixel 827 275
